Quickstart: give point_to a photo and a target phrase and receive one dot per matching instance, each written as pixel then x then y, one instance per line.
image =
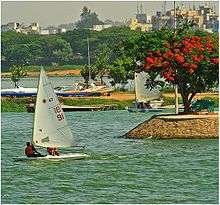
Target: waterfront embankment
pixel 119 99
pixel 192 126
pixel 9 104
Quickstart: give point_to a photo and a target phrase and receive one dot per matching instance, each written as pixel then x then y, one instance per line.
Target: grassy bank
pixel 14 104
pixel 171 100
pixel 120 99
pixel 19 104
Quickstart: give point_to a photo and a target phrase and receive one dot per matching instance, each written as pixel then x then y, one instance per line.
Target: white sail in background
pixel 142 93
pixel 50 125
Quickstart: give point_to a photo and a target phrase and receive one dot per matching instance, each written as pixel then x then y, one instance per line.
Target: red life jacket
pixel 29 150
pixel 50 150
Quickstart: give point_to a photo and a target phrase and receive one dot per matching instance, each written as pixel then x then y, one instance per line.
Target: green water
pixel 118 171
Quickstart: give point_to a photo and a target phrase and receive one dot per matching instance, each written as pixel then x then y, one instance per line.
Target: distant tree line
pixel 115 51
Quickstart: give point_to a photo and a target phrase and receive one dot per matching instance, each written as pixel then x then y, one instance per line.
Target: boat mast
pixel 89 63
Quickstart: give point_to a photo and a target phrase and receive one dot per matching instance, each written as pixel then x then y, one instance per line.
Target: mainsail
pixel 142 93
pixel 50 125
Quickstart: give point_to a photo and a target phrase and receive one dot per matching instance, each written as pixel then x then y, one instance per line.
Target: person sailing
pixel 53 151
pixel 30 151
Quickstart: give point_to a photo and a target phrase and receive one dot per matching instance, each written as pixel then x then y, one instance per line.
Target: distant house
pixel 101 27
pixel 44 32
pixel 61 30
pixel 68 27
pixel 11 26
pixel 33 28
pixel 17 27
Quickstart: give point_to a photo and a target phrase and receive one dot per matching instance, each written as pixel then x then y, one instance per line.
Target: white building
pixel 61 30
pixel 44 32
pixel 11 26
pixel 101 27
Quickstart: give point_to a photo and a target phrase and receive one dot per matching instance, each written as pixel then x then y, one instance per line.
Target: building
pixel 141 22
pixel 31 29
pixel 68 27
pixel 61 30
pixel 101 27
pixel 11 26
pixel 44 32
pixel 204 18
pixel 20 28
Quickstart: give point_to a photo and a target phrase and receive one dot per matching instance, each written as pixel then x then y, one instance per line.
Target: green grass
pixel 19 104
pixel 14 105
pixel 96 101
pixel 171 100
pixel 167 90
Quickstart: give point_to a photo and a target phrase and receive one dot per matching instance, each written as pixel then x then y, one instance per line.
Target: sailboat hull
pixel 61 156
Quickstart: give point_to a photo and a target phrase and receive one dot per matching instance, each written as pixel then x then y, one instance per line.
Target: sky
pixel 59 12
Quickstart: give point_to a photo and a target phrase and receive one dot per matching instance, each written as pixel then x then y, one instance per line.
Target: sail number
pixel 59 113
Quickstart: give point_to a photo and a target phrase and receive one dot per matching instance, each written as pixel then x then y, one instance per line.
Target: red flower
pixel 197 59
pixel 168 54
pixel 179 58
pixel 215 60
pixel 193 66
pixel 149 60
pixel 168 75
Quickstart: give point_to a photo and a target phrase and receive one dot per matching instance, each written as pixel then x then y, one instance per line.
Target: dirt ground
pixel 121 96
pixel 198 95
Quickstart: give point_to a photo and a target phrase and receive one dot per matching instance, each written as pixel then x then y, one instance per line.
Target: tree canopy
pixel 189 60
pixel 88 19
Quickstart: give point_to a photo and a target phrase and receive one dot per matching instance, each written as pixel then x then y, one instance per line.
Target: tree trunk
pixel 101 79
pixel 187 101
pixel 186 104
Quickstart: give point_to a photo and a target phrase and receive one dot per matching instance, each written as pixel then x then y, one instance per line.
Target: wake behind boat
pixel 50 126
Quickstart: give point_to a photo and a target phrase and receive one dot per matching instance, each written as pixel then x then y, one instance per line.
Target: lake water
pixel 32 82
pixel 56 81
pixel 118 171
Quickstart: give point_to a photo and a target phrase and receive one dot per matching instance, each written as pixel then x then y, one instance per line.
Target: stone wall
pixel 177 127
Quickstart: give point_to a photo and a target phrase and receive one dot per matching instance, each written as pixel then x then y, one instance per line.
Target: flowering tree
pixel 191 62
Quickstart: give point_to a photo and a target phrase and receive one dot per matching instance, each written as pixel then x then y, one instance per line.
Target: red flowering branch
pixel 191 63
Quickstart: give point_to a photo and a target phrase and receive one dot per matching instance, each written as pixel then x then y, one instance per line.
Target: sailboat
pixel 50 125
pixel 145 99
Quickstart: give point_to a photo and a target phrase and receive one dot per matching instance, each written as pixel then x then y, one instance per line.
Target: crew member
pixel 30 151
pixel 52 151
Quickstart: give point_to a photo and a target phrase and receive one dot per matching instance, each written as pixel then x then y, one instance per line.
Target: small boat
pixel 32 92
pixel 50 125
pixel 19 92
pixel 145 100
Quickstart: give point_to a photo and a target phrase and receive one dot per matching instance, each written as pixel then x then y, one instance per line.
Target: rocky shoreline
pixel 197 126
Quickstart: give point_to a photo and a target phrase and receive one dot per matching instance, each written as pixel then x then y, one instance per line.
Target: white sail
pixel 142 93
pixel 50 125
